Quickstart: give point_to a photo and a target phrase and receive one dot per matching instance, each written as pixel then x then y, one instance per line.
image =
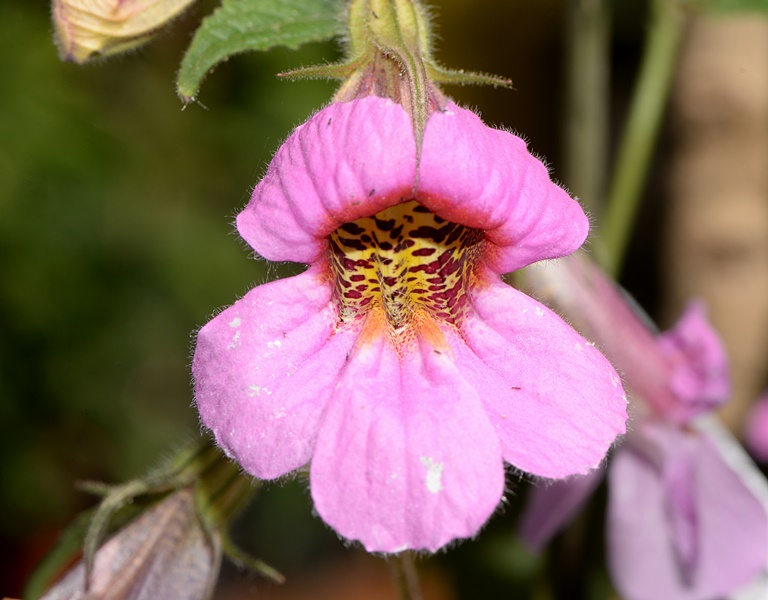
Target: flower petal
pixel 348 161
pixel 756 429
pixel 486 179
pixel 405 457
pixel 556 403
pixel 265 368
pixel 732 531
pixel 699 380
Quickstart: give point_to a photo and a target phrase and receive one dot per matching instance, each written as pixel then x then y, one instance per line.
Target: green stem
pixel 641 132
pixel 406 577
pixel 586 131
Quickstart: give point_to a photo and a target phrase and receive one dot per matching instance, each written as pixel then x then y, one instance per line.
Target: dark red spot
pixel 384 225
pixel 353 243
pixel 404 245
pixel 455 235
pixel 424 252
pixel 358 277
pixel 432 233
pixel 352 228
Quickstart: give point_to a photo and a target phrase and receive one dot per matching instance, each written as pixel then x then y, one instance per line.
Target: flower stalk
pixel 406 576
pixel 586 127
pixel 641 131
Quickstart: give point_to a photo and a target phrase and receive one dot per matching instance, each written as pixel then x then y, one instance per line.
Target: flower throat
pixel 403 259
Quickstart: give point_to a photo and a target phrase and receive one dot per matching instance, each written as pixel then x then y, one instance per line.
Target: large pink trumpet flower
pixel 398 364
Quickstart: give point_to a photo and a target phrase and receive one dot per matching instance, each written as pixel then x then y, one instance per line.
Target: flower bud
pixel 165 553
pixel 173 548
pixel 88 28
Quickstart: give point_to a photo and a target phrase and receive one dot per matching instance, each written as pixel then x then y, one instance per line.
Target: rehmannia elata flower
pixel 399 365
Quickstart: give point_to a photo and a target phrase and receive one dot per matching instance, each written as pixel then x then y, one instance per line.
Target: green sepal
pixel 340 70
pixel 440 74
pixel 244 560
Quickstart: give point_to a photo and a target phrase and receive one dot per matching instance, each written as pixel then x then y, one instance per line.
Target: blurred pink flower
pixel 756 429
pixel 684 519
pixel 399 363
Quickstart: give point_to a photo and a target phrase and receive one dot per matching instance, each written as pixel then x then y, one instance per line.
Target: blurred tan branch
pixel 716 243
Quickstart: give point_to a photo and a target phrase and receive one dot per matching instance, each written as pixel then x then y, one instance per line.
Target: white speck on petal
pixel 235 322
pixel 615 380
pixel 434 474
pixel 275 344
pixel 279 413
pixel 578 347
pixel 235 340
pixel 590 344
pixel 254 390
pixel 539 312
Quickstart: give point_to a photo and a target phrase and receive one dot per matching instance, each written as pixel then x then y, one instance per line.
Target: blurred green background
pixel 116 243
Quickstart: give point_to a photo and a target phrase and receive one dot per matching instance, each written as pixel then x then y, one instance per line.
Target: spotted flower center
pixel 404 260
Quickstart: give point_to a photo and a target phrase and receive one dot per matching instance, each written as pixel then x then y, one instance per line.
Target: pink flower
pixel 399 365
pixel 685 517
pixel 756 429
pixel 686 520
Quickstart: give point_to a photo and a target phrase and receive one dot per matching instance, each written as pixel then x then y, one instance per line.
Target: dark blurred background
pixel 116 243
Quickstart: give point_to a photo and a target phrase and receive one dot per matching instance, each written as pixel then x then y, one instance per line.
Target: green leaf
pixel 728 6
pixel 241 25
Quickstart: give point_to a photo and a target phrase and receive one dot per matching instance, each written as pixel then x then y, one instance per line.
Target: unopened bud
pixel 164 553
pixel 88 28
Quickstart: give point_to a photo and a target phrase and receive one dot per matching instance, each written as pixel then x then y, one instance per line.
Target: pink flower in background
pixel 756 429
pixel 399 365
pixel 685 517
